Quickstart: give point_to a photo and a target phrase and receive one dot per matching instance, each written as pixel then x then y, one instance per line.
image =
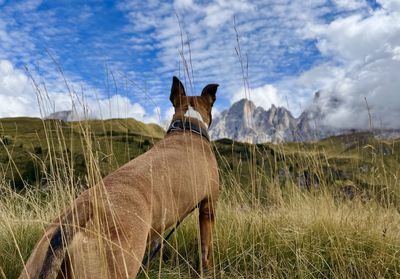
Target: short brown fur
pixel 106 232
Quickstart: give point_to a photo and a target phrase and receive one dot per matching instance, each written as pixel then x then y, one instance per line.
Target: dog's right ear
pixel 209 92
pixel 177 91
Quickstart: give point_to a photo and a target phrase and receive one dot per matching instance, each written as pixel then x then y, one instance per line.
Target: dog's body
pixel 106 232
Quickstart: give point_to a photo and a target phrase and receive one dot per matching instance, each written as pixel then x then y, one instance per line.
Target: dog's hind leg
pixel 126 248
pixel 206 220
pixel 113 254
pixel 84 258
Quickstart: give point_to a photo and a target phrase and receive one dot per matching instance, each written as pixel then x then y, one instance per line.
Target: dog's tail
pixel 62 237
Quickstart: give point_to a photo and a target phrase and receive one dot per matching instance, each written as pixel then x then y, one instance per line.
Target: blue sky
pixel 118 57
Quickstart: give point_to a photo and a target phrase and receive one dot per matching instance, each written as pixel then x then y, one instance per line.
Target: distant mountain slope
pixel 115 126
pixel 65 115
pixel 245 122
pixel 121 126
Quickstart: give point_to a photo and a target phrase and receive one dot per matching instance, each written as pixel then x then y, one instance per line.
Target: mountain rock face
pixel 245 122
pixel 70 115
pixel 65 115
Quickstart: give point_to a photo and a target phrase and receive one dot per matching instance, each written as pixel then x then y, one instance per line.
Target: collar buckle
pixel 175 125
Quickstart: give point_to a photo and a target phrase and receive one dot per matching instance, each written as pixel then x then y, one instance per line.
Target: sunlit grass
pixel 308 236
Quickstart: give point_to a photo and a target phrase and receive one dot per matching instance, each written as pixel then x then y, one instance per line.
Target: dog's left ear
pixel 177 91
pixel 209 92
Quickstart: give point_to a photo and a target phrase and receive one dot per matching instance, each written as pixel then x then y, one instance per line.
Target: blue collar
pixel 179 125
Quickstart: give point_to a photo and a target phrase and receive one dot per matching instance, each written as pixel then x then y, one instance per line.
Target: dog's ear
pixel 177 91
pixel 209 92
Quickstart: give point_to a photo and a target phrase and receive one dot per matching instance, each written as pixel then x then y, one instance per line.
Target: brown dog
pixel 104 235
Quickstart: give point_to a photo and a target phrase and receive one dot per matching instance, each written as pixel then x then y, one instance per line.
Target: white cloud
pixel 16 95
pixel 222 11
pixel 268 33
pixel 351 4
pixel 306 84
pixel 18 98
pixel 183 4
pixel 358 38
pixel 390 5
pixel 169 113
pixel 117 107
pixel 215 112
pixel 367 50
pixel 264 96
pixel 396 53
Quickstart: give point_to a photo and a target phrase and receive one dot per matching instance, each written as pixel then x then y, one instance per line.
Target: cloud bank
pixel 264 96
pixel 16 95
pixel 367 52
pixel 19 97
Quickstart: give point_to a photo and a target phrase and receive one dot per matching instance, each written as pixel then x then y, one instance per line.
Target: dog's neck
pixel 188 124
pixel 191 120
pixel 192 113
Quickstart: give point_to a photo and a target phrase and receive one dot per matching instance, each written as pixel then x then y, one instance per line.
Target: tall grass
pixel 267 226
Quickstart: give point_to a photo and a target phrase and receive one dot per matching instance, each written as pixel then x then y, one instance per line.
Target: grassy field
pixel 32 148
pixel 328 209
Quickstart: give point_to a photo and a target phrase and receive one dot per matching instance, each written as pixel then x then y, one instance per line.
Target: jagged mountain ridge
pixel 64 115
pixel 245 122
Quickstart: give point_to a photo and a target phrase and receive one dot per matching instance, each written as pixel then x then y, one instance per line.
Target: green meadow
pixel 326 209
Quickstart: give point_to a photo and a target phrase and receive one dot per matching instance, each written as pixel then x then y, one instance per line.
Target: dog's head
pixel 193 107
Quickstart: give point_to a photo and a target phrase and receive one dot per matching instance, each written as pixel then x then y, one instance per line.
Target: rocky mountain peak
pixel 64 115
pixel 70 115
pixel 244 121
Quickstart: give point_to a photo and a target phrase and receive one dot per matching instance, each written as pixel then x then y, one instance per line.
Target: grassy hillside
pixel 327 209
pixel 348 166
pixel 345 163
pixel 32 146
